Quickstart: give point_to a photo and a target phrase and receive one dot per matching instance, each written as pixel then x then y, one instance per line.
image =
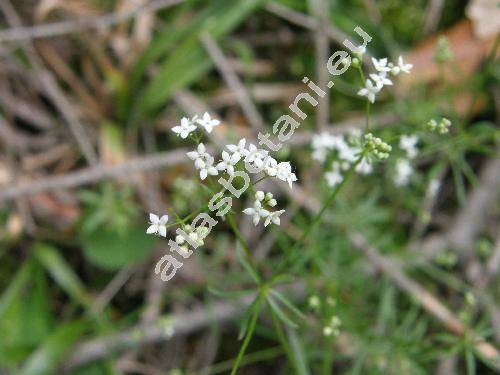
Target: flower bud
pixel 260 195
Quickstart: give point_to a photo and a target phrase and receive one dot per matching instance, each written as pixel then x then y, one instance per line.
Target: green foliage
pixel 110 250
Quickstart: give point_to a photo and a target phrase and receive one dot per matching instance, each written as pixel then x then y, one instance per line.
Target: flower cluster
pixel 157 225
pixel 442 127
pixel 255 159
pixel 339 153
pixel 403 167
pixel 258 210
pixel 333 327
pixel 188 126
pixel 379 79
pixel 196 235
pixel 377 146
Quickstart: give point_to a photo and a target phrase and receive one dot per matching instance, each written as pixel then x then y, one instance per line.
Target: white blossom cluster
pixel 188 126
pixel 257 159
pixel 339 152
pixel 240 155
pixel 258 210
pixel 333 327
pixel 403 169
pixel 380 78
pixel 196 235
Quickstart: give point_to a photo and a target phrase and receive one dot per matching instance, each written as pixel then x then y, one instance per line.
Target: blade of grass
pixel 48 355
pixel 62 273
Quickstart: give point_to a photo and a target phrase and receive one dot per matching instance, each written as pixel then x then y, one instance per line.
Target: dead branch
pixel 394 270
pixel 233 82
pixel 163 329
pixel 20 33
pixel 94 174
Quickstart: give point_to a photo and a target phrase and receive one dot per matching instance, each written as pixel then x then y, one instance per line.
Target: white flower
pixel 404 67
pixel 323 142
pixel 228 162
pixel 380 65
pixel 403 172
pixel 400 67
pixel 273 217
pixel 381 79
pixel 370 90
pixel 334 177
pixel 319 154
pixel 207 122
pixel 256 156
pixel 157 225
pixel 199 156
pixel 256 212
pixel 364 167
pixel 185 128
pixel 239 149
pixel 207 168
pixel 271 166
pixel 284 173
pixel 409 143
pixel 260 196
pixel 348 153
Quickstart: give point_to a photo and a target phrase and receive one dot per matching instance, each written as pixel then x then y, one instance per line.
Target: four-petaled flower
pixel 228 162
pixel 380 65
pixel 239 149
pixel 284 173
pixel 334 177
pixel 271 166
pixel 370 90
pixel 409 143
pixel 273 217
pixel 185 128
pixel 256 156
pixel 381 79
pixel 158 225
pixel 199 156
pixel 207 122
pixel 256 212
pixel 404 67
pixel 207 168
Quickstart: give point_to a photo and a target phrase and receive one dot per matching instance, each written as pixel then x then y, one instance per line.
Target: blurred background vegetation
pixel 89 91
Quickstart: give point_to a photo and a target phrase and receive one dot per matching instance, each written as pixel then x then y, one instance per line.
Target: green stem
pixel 367 116
pixel 249 334
pixel 327 359
pixel 320 214
pixel 282 338
pixel 240 239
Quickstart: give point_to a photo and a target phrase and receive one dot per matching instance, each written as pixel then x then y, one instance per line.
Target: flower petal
pixel 154 219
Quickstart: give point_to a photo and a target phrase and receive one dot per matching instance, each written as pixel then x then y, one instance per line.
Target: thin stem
pixel 240 239
pixel 328 358
pixel 282 338
pixel 320 214
pixel 367 116
pixel 249 334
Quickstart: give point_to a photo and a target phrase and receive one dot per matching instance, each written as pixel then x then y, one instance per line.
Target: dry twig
pixel 234 83
pixel 20 33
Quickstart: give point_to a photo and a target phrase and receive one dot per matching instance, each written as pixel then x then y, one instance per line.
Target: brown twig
pixel 433 15
pixel 163 329
pixel 20 33
pixel 321 11
pixel 49 83
pixel 297 18
pixel 234 83
pixel 394 270
pixel 93 174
